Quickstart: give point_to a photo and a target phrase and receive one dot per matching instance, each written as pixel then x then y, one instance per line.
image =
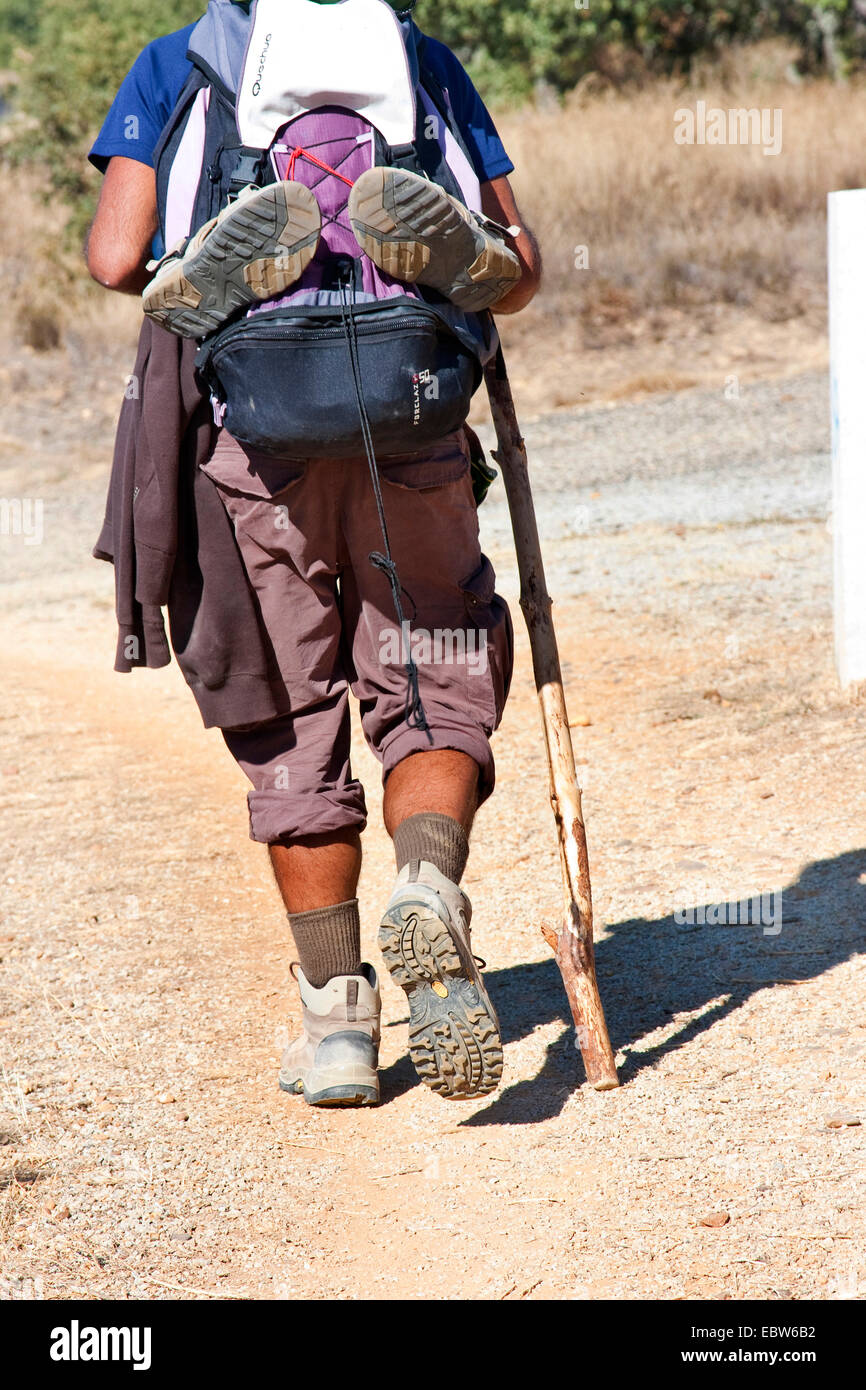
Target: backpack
pixel 349 360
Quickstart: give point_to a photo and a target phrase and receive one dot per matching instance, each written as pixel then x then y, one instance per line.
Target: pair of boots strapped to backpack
pixel 261 243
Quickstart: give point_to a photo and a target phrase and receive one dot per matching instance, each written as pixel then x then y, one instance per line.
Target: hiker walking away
pixel 328 202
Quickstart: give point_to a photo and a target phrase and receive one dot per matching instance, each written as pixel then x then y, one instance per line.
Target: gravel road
pixel 146 1151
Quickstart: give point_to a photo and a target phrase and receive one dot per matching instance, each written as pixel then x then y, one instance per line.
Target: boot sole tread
pixel 254 254
pixel 454 1041
pixel 394 220
pixel 349 1094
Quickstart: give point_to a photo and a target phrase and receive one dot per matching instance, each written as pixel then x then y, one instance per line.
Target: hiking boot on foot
pixel 256 248
pixel 334 1060
pixel 412 229
pixel 454 1038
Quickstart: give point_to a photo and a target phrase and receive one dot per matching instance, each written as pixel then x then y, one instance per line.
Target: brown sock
pixel 328 941
pixel 439 839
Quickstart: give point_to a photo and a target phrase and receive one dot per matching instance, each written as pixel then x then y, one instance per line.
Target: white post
pixel 846 218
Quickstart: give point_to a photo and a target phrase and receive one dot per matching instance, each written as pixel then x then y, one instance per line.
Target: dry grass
pixel 674 226
pixel 49 300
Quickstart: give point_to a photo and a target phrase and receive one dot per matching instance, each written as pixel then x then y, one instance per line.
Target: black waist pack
pixel 285 380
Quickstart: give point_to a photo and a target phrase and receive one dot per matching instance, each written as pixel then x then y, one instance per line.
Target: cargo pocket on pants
pixel 423 472
pixel 488 681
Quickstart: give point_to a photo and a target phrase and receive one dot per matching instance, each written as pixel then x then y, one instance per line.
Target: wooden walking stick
pixel 573 943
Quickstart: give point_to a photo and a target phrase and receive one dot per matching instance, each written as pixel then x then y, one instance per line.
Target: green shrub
pixel 512 46
pixel 80 53
pixel 19 24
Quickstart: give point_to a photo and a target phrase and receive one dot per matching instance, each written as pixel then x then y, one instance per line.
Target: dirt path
pixel 146 1151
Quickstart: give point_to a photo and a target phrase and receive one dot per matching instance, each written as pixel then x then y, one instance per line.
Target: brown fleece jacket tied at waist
pixel 171 543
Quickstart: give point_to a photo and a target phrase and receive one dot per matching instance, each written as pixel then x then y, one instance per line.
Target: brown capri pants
pixel 305 529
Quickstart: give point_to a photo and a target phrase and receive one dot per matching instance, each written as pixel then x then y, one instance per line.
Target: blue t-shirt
pixel 150 89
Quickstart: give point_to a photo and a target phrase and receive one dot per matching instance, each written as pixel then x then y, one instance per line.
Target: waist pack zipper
pixel 276 330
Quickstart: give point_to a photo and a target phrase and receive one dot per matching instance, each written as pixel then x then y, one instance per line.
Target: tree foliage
pixel 80 53
pixel 19 24
pixel 512 46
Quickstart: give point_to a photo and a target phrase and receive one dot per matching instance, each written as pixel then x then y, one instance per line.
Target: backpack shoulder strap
pixel 429 80
pixel 179 130
pixel 199 159
pixel 188 92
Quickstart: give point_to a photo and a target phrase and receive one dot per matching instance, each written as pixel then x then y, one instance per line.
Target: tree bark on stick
pixel 572 945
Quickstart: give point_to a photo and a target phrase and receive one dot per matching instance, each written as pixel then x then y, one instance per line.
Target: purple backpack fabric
pixel 327 150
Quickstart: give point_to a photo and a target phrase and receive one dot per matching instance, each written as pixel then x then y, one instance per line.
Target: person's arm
pixel 118 243
pixel 498 202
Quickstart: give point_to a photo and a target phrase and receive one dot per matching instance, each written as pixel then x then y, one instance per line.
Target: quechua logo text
pixel 257 85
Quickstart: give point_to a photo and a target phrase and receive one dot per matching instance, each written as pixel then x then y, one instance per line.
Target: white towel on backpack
pixel 302 55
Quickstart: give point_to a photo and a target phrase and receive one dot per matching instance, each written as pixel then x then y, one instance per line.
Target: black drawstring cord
pixel 414 713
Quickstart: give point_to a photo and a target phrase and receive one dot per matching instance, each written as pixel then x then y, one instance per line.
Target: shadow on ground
pixel 652 971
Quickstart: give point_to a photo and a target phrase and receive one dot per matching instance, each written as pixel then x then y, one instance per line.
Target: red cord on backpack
pixel 299 151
